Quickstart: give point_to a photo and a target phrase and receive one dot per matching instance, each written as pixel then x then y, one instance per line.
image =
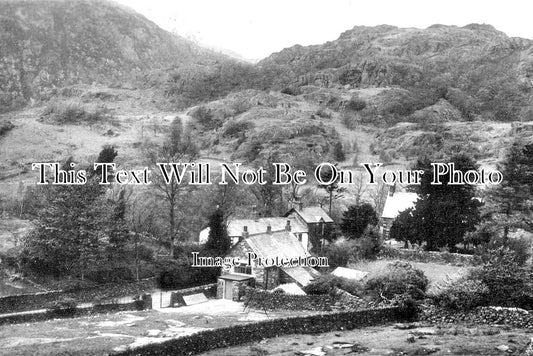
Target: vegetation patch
pixel 73 112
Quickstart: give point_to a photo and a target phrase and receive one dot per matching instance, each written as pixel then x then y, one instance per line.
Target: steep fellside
pixel 49 44
pixel 478 69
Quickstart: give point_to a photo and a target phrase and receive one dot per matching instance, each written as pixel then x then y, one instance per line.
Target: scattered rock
pixel 503 348
pixel 425 351
pixel 317 351
pixel 341 345
pixel 402 326
pixel 359 348
pixel 153 333
pixel 411 339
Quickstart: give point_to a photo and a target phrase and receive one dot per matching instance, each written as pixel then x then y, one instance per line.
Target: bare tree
pixel 178 147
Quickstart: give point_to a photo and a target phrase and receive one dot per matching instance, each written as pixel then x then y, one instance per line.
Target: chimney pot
pixel 244 234
pixel 288 226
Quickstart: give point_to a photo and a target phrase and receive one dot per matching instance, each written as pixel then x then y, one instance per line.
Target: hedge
pixel 240 334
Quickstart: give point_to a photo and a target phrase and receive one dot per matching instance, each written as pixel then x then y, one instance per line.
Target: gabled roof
pixel 397 203
pixel 277 244
pixel 259 226
pixel 311 214
pixel 349 273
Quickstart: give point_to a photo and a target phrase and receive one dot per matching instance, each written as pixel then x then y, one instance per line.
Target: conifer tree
pixel 218 242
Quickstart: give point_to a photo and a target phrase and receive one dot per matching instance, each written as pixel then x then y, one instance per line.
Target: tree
pixel 444 213
pixel 178 146
pixel 333 189
pixel 73 228
pixel 509 203
pixel 356 219
pixel 338 152
pixel 218 242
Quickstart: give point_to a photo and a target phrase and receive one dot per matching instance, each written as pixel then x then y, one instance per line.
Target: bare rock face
pixel 49 44
pixel 529 349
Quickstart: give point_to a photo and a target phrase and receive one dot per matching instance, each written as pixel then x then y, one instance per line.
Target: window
pixel 244 269
pixel 300 237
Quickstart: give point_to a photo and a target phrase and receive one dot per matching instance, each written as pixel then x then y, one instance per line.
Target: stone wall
pixel 241 334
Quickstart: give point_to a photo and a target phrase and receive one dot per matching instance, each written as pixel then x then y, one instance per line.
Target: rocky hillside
pixel 477 69
pixel 50 44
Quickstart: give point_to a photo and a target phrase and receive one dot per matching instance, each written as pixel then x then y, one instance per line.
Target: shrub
pixel 355 104
pixel 508 282
pixel 323 113
pixel 464 294
pixel 5 127
pixel 205 117
pixel 327 283
pixel 370 244
pixel 72 112
pixel 401 278
pixel 235 128
pixel 339 253
pixel 323 284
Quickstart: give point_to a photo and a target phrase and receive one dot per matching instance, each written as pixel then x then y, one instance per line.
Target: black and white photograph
pixel 266 177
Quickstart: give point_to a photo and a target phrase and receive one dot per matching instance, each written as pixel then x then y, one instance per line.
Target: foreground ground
pixel 388 340
pixel 101 334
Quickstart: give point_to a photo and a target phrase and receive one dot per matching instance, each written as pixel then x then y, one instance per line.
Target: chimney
pixel 254 212
pixel 288 226
pixel 298 203
pixel 244 233
pixel 392 190
pixel 269 229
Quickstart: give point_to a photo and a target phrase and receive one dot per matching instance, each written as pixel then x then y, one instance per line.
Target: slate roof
pixel 349 273
pixel 397 203
pixel 312 214
pixel 235 277
pixel 291 288
pixel 302 275
pixel 259 226
pixel 277 244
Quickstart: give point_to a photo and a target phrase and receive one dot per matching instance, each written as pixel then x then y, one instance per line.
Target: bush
pixel 327 283
pixel 323 113
pixel 400 279
pixel 323 284
pixel 72 112
pixel 339 253
pixel 205 117
pixel 355 104
pixel 235 128
pixel 508 282
pixel 464 294
pixel 370 244
pixel 5 127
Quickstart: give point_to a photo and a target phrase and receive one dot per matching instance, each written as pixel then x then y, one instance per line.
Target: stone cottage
pixel 396 203
pixel 261 257
pixel 319 224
